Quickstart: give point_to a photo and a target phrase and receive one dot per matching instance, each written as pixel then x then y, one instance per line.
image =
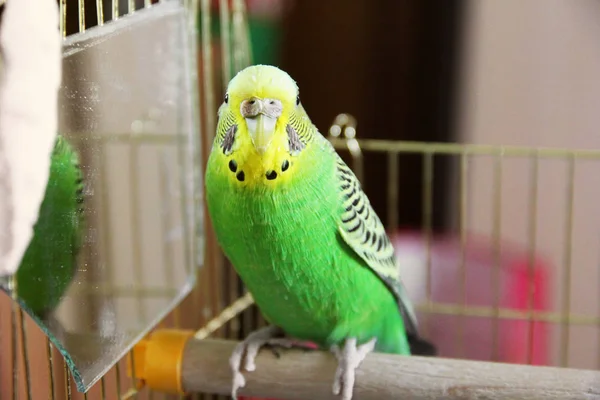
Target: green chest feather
pixel 285 245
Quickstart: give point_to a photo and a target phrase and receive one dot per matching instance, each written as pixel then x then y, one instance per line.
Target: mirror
pixel 127 106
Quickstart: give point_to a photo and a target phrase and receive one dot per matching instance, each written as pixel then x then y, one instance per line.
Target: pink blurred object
pixel 515 280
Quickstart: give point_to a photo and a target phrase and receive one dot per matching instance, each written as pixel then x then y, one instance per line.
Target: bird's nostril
pixel 272 102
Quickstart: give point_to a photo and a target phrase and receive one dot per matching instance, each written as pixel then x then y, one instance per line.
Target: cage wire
pixel 219 306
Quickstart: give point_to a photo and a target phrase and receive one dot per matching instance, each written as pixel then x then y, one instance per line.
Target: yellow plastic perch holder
pixel 157 360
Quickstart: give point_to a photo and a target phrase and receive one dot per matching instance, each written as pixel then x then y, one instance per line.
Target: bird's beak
pixel 261 119
pixel 261 129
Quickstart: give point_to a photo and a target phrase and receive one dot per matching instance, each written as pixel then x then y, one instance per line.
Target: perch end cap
pixel 157 360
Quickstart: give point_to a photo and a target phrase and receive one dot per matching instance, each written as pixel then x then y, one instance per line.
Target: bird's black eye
pixel 298 100
pixel 226 97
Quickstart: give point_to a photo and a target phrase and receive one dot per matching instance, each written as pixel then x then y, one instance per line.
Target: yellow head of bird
pixel 261 96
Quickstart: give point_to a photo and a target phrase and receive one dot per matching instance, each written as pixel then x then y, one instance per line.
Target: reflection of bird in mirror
pixel 50 261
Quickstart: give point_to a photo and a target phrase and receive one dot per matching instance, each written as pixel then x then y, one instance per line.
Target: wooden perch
pixel 309 375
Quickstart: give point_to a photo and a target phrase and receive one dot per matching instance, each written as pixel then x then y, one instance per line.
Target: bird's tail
pixel 421 347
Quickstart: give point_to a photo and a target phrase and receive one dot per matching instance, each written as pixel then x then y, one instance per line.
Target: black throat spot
pixel 271 175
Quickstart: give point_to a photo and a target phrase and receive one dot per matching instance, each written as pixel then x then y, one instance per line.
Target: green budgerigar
pixel 293 220
pixel 49 263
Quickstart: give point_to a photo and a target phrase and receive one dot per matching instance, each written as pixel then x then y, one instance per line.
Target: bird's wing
pixel 363 231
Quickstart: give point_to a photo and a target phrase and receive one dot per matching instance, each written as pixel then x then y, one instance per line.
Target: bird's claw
pixel 250 347
pixel 349 358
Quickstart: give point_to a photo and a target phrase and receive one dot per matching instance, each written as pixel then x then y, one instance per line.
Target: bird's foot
pixel 268 336
pixel 349 358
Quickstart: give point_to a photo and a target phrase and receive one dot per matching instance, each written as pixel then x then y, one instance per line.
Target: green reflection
pixel 50 261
